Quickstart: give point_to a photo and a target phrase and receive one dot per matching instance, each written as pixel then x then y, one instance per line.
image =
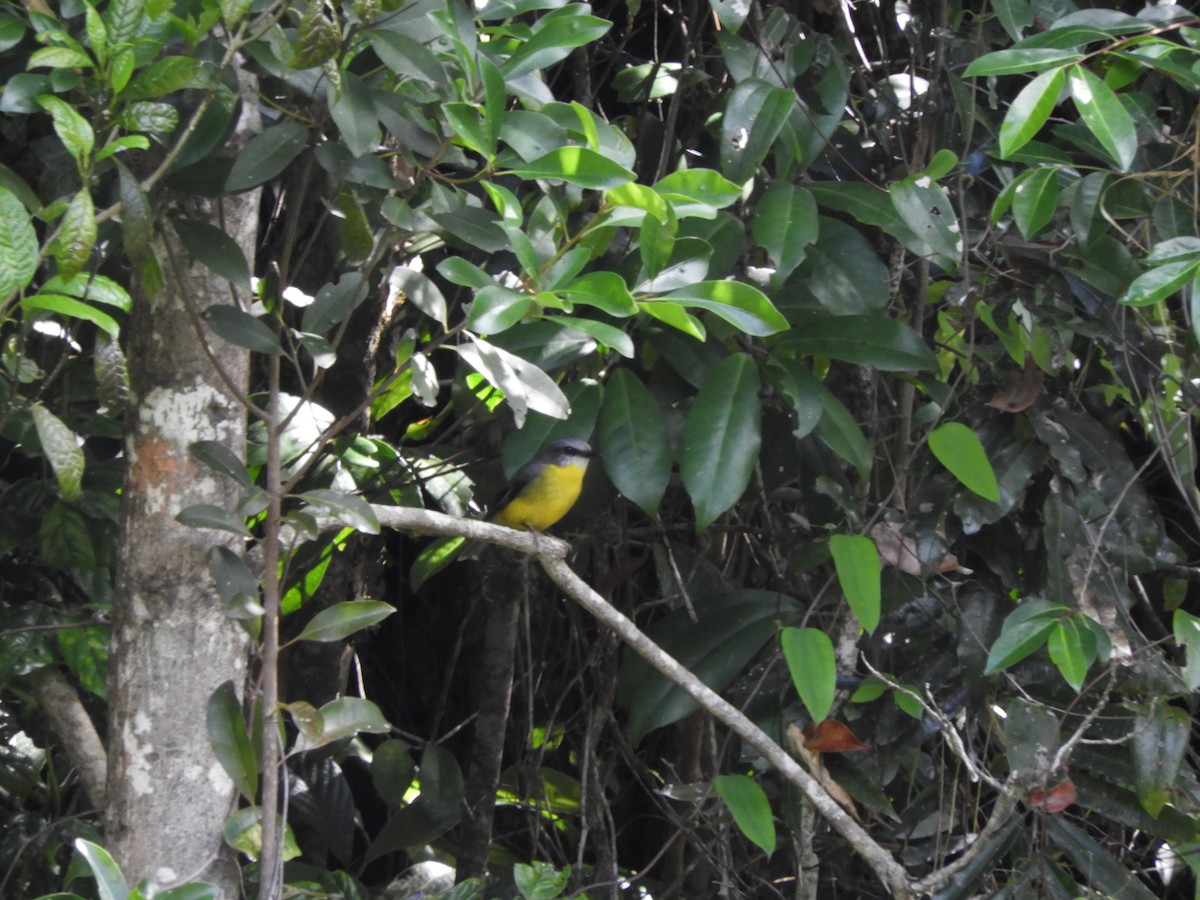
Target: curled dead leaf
pixel 1021 388
pixel 1055 799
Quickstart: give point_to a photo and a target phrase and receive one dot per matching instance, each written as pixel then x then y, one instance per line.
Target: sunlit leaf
pixel 810 660
pixel 857 563
pixel 751 810
pixel 959 450
pixel 344 619
pixel 230 741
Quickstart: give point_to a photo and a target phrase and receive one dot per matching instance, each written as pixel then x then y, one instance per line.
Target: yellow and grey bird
pixel 544 489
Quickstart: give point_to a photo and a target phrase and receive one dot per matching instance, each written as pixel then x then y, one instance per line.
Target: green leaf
pixel 150 116
pixel 697 192
pixel 576 165
pixel 1109 875
pixel 242 329
pixel 407 56
pixel 337 300
pixel 732 628
pixel 785 224
pixel 136 217
pixel 18 245
pixel 810 660
pixel 343 718
pixel 524 385
pixel 1160 739
pixel 741 305
pixel 1021 59
pixel 958 449
pixel 220 458
pixel 540 881
pixel 1035 197
pixel 73 309
pixel 344 619
pixel 215 249
pixel 110 883
pixel 204 515
pixel 857 563
pixel 266 155
pixel 925 207
pixel 77 235
pixel 72 129
pixel 1160 283
pixel 554 37
pixel 1187 635
pixel 634 441
pixel 865 340
pixel 497 308
pixel 748 803
pixel 61 449
pixel 754 115
pixel 842 272
pixel 230 741
pixel 236 585
pixel 606 334
pixel 841 434
pixel 168 75
pixel 59 58
pixel 354 114
pixel 1025 629
pixel 65 539
pixel 347 508
pixel 1030 110
pixel 1104 115
pixel 721 438
pixel 1065 644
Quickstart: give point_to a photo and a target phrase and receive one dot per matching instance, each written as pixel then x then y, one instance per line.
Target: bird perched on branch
pixel 545 488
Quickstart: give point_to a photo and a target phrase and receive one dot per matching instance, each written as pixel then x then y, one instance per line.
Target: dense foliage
pixel 881 318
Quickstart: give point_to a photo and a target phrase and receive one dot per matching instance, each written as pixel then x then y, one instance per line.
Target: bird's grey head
pixel 570 451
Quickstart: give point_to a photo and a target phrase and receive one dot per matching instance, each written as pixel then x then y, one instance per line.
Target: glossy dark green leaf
pixel 110 883
pixel 886 344
pixel 808 653
pixel 77 235
pixel 72 128
pixel 525 387
pixel 1105 116
pixel 1030 110
pixel 1025 629
pixel 417 289
pixel 136 216
pixel 230 740
pixel 18 245
pixel 925 207
pixel 1097 865
pixel 205 515
pixel 732 628
pixel 608 335
pixel 497 308
pixel 697 192
pixel 553 38
pixel 1160 739
pixel 721 438
pixel 838 430
pixel 355 117
pixel 347 508
pixel 168 75
pixel 242 329
pixel 842 271
pixel 1160 282
pixel 337 300
pixel 236 585
pixel 1015 60
pixel 1066 646
pixel 220 458
pixel 741 305
pixel 634 441
pixel 1035 198
pixel 576 165
pixel 785 224
pixel 751 810
pixel 266 155
pixel 754 114
pixel 406 56
pixel 215 249
pixel 1186 628
pixel 857 563
pixel 71 308
pixel 62 450
pixel 343 718
pixel 344 619
pixel 392 771
pixel 960 451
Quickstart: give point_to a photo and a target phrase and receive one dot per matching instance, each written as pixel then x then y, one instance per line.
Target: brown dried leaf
pixel 1021 388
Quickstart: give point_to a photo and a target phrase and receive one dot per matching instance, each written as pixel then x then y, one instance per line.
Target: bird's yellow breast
pixel 545 500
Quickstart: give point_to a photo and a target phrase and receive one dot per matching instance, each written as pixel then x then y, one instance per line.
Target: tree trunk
pixel 172 643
